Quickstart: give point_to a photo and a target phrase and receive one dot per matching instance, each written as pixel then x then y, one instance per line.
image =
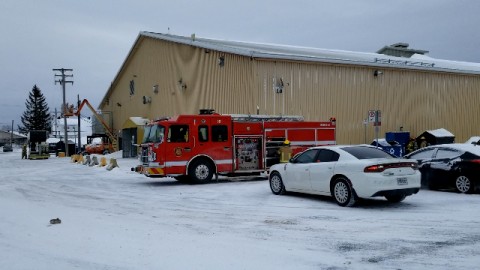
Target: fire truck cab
pixel 197 147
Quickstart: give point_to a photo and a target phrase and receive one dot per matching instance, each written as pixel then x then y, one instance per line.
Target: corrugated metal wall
pixel 414 100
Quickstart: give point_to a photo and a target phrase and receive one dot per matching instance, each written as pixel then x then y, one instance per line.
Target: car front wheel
pixel 276 184
pixel 463 184
pixel 343 193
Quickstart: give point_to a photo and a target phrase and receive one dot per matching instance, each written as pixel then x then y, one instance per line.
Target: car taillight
pixel 374 168
pixel 475 161
pixel 382 167
pixel 414 166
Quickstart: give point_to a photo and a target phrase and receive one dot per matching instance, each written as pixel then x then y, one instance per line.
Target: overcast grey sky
pixel 93 37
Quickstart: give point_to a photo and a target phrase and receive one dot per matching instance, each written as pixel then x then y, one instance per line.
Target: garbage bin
pixel 391 147
pixel 401 137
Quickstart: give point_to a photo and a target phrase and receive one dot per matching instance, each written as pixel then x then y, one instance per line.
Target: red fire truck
pixel 197 147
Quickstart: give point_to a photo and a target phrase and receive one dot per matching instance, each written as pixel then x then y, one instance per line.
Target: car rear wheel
pixel 395 198
pixel 463 184
pixel 276 184
pixel 343 193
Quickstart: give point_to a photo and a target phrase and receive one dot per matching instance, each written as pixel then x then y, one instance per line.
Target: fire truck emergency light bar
pixel 266 118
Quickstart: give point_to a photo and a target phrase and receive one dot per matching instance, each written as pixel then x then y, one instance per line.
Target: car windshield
pixel 362 152
pixel 153 134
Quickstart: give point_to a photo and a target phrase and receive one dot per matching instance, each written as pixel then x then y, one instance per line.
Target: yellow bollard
pixel 80 159
pixel 103 162
pixel 113 164
pixel 74 158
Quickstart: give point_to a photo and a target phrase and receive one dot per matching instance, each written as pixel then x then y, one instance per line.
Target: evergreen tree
pixel 36 116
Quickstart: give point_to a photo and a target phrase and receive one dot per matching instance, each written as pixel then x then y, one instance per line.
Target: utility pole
pixel 62 81
pixel 56 124
pixel 79 133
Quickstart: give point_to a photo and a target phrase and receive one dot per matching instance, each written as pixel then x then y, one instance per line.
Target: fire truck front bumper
pixel 149 171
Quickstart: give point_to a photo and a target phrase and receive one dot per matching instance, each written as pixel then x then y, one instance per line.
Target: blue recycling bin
pixel 402 137
pixel 392 147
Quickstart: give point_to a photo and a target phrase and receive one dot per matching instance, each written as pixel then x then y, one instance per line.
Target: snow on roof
pixel 473 139
pixel 272 51
pixel 139 121
pixel 53 140
pixel 381 142
pixel 441 132
pixel 18 134
pixel 475 149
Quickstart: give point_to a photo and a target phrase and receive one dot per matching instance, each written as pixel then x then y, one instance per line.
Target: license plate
pixel 402 181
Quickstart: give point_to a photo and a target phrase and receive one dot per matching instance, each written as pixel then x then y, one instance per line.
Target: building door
pixel 129 138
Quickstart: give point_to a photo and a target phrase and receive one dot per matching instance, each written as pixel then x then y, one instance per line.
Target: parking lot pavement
pixel 119 219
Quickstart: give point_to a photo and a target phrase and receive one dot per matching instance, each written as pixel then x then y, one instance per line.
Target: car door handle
pixel 226 148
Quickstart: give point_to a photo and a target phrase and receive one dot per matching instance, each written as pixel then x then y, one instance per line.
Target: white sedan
pixel 347 173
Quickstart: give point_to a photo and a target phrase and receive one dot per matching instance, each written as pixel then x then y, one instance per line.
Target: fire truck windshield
pixel 153 134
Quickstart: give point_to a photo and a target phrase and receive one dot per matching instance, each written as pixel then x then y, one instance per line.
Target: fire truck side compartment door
pixel 220 146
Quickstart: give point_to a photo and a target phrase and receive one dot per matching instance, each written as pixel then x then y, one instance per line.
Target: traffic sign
pixel 375 117
pixel 371 116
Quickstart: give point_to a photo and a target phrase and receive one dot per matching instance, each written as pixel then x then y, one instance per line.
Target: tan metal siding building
pixel 176 75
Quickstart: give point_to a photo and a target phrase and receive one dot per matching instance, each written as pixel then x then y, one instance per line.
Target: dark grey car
pixel 449 166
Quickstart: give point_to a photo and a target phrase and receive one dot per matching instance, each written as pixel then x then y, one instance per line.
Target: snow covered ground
pixel 121 220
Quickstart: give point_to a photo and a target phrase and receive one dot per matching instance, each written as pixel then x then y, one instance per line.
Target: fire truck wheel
pixel 200 171
pixel 276 184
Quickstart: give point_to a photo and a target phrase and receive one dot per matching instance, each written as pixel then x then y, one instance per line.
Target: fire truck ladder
pixel 266 118
pixel 108 131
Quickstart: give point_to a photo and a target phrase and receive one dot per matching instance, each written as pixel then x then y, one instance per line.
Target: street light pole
pixel 62 81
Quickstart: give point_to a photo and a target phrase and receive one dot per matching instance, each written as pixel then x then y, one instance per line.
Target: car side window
pixel 447 153
pixel 423 154
pixel 307 156
pixel 326 155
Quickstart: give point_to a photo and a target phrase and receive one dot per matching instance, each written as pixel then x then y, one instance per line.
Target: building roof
pixel 133 122
pixel 272 51
pixel 440 133
pixel 7 135
pixel 417 61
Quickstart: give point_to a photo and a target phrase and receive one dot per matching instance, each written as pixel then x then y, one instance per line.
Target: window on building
pixel 132 87
pixel 203 133
pixel 219 133
pixel 178 133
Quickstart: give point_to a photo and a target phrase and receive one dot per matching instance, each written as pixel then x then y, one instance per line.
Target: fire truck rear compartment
pixel 247 153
